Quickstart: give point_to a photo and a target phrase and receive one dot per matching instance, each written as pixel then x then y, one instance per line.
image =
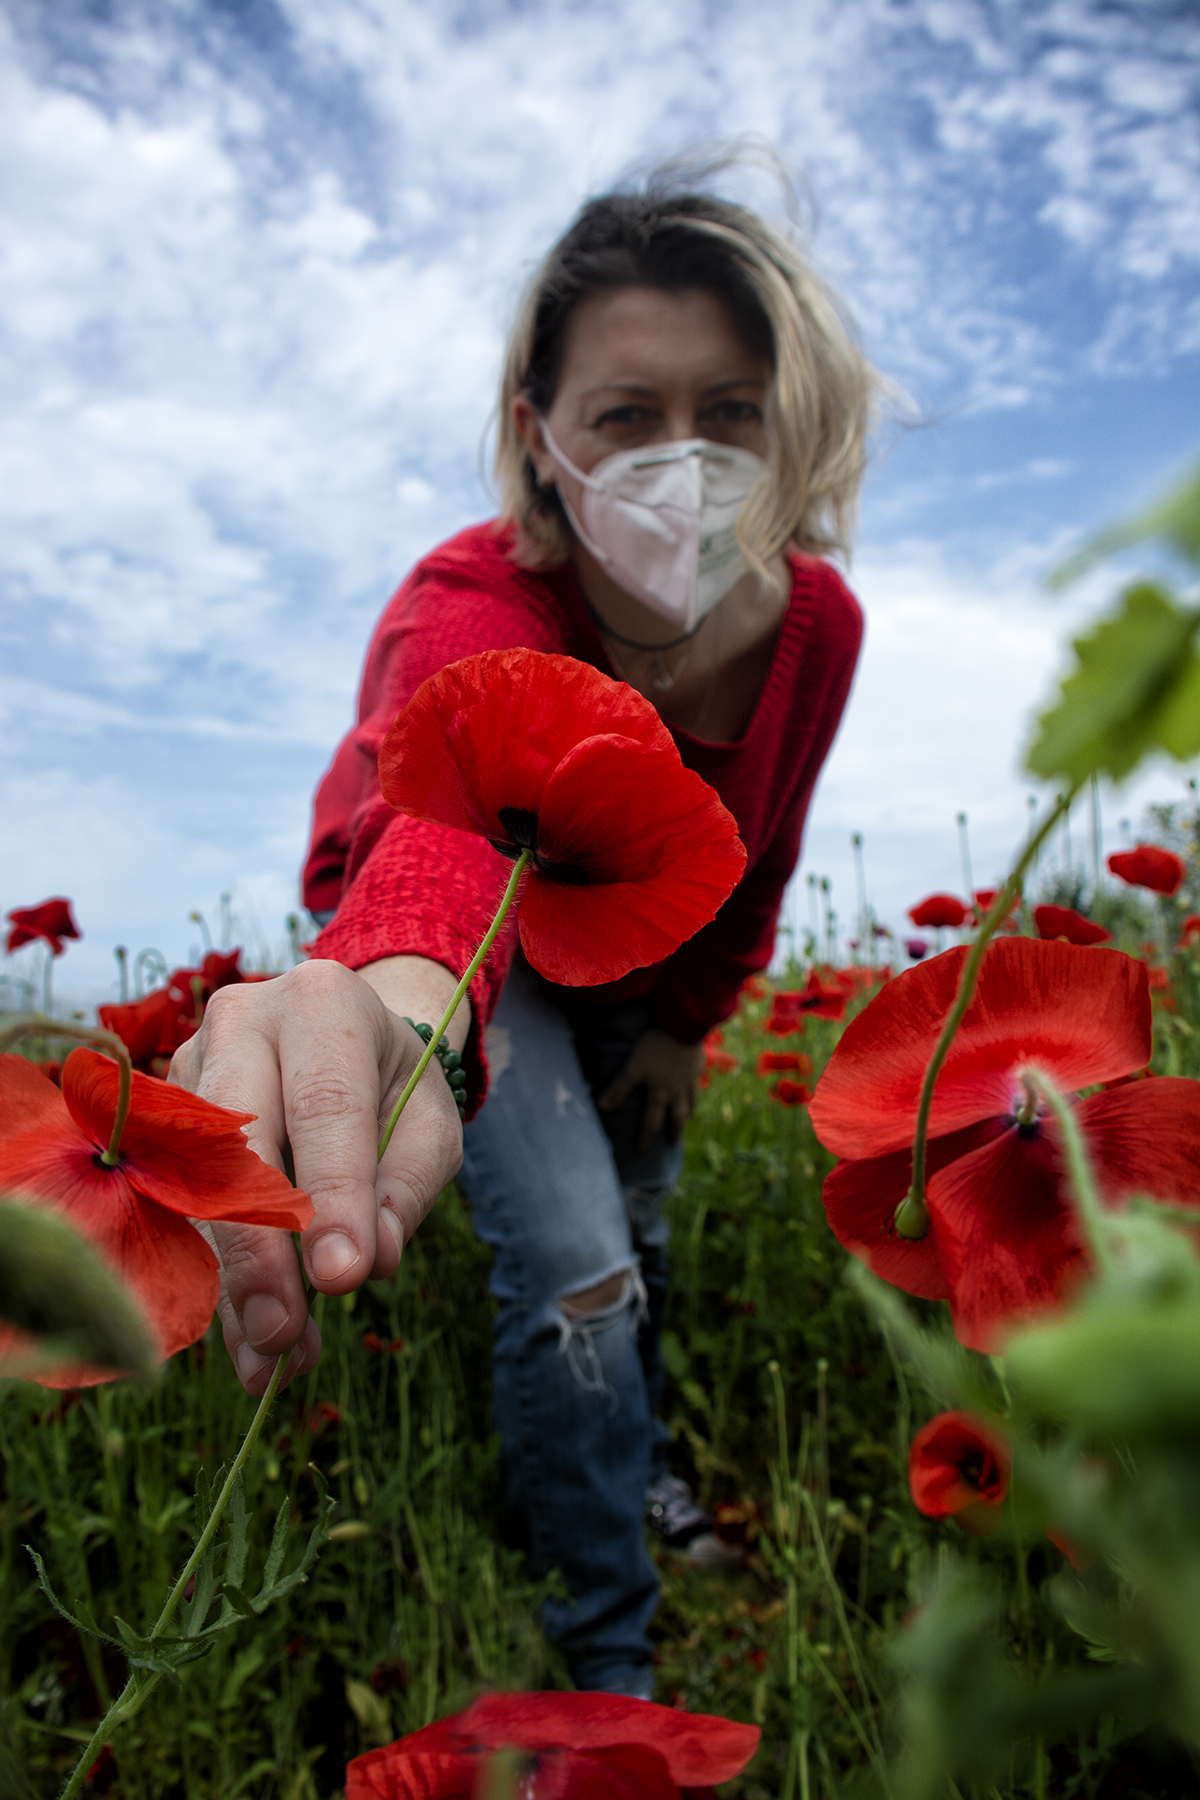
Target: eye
pixel 735 412
pixel 623 415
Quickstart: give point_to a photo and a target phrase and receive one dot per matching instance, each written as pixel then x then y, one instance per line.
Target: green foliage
pixel 54 1287
pixel 1135 689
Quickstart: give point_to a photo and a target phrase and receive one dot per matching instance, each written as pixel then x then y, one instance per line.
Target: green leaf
pixel 1173 522
pixel 1179 722
pixel 54 1286
pixel 1132 676
pixel 239 1601
pixel 205 1583
pixel 279 1543
pixel 236 1524
pixel 89 1629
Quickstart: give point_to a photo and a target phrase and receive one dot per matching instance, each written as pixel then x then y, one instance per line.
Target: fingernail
pixel 262 1316
pixel 249 1363
pixel 332 1256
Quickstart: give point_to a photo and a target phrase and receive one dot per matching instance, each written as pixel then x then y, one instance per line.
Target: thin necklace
pixel 661 678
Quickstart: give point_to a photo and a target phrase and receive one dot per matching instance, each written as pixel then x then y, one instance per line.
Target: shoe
pixel 682 1525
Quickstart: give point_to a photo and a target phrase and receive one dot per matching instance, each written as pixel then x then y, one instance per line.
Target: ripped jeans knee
pixel 582 1336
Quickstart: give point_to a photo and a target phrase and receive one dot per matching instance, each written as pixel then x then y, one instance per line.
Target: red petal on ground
pixel 484 734
pixel 861 1198
pixel 958 1460
pixel 1064 922
pixel 660 852
pixel 1144 1138
pixel 1007 1233
pixel 181 1150
pixel 1149 866
pixel 1083 1015
pixel 700 1749
pixel 938 910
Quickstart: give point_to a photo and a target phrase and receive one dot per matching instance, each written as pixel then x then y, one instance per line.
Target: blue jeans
pixel 566 1200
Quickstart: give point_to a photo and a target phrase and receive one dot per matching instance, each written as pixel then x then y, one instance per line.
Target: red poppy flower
pixel 788 1010
pixel 790 1093
pixel 784 1062
pixel 180 1158
pixel 1190 927
pixel 939 910
pixel 720 1060
pixel 580 1747
pixel 1149 866
pixel 1064 922
pixel 633 852
pixel 959 1467
pixel 153 1027
pixel 51 920
pixel 1003 1240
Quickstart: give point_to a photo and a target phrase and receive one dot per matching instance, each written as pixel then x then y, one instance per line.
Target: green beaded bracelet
pixel 450 1060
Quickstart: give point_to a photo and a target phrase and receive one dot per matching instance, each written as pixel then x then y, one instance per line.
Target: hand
pixel 319 1058
pixel 668 1071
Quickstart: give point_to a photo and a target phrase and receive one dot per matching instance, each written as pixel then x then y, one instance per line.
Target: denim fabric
pixel 565 1200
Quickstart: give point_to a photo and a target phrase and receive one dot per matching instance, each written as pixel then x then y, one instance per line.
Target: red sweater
pixel 403 888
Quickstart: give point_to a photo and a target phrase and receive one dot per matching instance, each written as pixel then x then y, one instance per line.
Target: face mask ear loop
pixel 564 462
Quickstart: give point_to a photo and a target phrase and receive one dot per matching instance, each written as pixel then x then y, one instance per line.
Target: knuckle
pixel 322 981
pixel 321 1098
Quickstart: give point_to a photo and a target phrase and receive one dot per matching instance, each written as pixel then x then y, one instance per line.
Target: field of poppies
pixel 960 1461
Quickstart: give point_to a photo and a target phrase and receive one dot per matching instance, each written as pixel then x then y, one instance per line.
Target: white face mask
pixel 662 521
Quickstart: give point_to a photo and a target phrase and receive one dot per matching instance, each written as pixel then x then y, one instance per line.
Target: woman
pixel 682 426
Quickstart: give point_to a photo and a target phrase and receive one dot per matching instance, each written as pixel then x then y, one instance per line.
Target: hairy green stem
pixel 138 1687
pixel 37 1025
pixel 489 938
pixel 1084 1191
pixel 912 1217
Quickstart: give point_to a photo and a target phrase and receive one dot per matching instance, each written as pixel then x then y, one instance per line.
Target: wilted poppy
pixel 1065 922
pixel 633 853
pixel 959 1467
pixel 790 1093
pixel 180 1157
pixel 575 1746
pixel 1003 1239
pixel 784 1062
pixel 1149 866
pixel 939 910
pixel 51 920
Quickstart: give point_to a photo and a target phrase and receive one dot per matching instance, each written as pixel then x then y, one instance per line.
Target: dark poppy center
pixel 971 1468
pixel 522 828
pixel 1028 1128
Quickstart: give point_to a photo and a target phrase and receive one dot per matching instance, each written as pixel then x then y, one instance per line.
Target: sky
pixel 257 262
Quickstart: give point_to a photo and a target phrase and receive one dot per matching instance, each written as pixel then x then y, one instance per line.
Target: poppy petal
pixel 28 1100
pixel 1082 1014
pixel 861 1198
pixel 700 1749
pixel 180 1150
pixel 485 733
pixel 1007 1233
pixel 1144 1138
pixel 163 1259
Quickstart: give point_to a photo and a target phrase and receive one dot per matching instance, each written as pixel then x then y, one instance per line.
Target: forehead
pixel 652 335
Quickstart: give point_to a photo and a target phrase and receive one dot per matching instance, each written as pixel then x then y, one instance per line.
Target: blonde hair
pixel 823 394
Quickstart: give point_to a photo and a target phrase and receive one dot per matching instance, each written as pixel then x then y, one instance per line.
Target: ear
pixel 528 423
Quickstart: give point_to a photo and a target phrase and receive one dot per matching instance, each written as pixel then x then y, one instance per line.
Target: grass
pixel 787 1413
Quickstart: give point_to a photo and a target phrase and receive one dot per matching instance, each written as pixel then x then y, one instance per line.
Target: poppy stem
pixel 35 1025
pixel 912 1216
pixel 138 1687
pixel 1079 1167
pixel 489 938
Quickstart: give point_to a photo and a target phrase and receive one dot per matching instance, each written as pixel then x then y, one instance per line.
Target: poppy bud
pixel 912 1218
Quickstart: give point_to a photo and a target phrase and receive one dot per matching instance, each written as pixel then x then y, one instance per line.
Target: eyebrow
pixel 643 387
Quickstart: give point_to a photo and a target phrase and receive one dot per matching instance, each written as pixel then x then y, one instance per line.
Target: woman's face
pixel 643 366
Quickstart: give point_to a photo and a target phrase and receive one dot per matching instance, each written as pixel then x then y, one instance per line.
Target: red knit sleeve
pixel 401 887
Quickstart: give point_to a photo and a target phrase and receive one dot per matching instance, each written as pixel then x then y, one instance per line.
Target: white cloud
pixel 252 302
